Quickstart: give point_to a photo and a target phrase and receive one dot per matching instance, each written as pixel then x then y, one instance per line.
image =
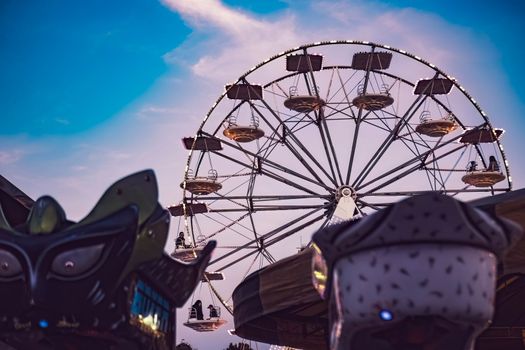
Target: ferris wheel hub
pixel 346 207
pixel 345 191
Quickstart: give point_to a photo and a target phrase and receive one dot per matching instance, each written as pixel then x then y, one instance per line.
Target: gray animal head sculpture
pixel 420 274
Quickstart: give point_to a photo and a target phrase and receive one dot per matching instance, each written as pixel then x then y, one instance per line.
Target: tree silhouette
pixel 239 346
pixel 184 346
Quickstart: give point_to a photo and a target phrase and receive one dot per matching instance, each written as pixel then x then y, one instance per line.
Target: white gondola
pixel 303 103
pixel 210 324
pixel 435 127
pixel 372 101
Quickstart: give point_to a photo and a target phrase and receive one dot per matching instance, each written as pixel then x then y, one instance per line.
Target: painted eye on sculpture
pixel 77 261
pixel 9 264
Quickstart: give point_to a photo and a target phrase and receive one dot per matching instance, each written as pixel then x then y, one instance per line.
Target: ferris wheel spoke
pixel 342 85
pixel 332 147
pixel 288 134
pixel 283 95
pixel 368 70
pixel 359 118
pixel 421 158
pixel 329 148
pixel 223 227
pixel 272 242
pixel 267 255
pixel 329 85
pixel 347 101
pixel 353 148
pixel 431 175
pixel 421 142
pixel 263 198
pixel 334 110
pixel 235 108
pixel 264 208
pixel 415 193
pixel 324 131
pixel 265 161
pixel 267 173
pixel 418 159
pixel 263 251
pixel 411 170
pixel 454 167
pixel 388 141
pixel 369 205
pixel 226 226
pixel 436 175
pixel 403 121
pixel 274 232
pixel 296 141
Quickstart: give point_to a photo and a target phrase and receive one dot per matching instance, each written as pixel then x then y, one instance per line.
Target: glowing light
pixel 386 315
pixel 150 321
pixel 43 324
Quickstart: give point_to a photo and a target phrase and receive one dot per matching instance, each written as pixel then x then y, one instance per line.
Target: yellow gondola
pixel 200 185
pixel 483 178
pixel 372 101
pixel 436 127
pixel 303 103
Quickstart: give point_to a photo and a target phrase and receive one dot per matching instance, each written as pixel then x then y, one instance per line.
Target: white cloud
pixel 236 39
pixel 62 121
pixel 213 12
pixel 8 157
pixel 79 168
pixel 226 42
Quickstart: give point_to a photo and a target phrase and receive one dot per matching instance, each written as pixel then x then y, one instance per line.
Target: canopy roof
pixel 279 304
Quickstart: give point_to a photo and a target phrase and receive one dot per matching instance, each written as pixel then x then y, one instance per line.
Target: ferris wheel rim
pixel 454 81
pixel 304 47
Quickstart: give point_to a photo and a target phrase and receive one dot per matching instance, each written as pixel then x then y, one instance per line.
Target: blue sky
pixel 68 66
pixel 94 90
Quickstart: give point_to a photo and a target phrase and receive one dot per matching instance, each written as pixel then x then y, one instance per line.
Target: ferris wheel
pixel 324 132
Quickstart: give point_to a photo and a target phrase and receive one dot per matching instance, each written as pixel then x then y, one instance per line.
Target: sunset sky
pixel 94 90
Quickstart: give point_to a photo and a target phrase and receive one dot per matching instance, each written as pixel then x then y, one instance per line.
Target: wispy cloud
pixel 157 112
pixel 8 157
pixel 236 39
pixel 62 121
pixel 227 42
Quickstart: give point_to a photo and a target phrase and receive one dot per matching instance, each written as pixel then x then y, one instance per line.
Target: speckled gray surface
pixel 426 256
